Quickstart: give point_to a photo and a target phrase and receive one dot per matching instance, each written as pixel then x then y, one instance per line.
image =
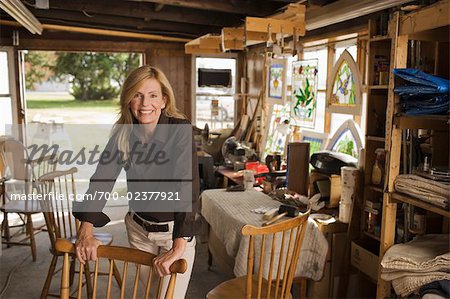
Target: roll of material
pixel 347 194
pixel 349 176
pixel 345 212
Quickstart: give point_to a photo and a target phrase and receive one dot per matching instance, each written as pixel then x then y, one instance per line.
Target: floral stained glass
pixel 304 92
pixel 278 130
pixel 276 81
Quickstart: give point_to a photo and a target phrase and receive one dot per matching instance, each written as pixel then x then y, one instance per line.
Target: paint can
pixel 349 176
pixel 345 212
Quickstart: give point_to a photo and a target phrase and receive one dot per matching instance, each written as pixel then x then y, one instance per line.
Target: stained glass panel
pixel 304 93
pixel 278 130
pixel 343 87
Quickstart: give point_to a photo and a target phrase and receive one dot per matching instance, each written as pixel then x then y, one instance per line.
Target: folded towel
pixel 425 189
pixel 423 254
pixel 406 285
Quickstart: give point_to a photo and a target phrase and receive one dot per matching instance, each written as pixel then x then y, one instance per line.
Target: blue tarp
pixel 422 93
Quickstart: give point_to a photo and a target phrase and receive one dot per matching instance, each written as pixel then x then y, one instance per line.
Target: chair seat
pixel 235 288
pixel 21 206
pixel 105 238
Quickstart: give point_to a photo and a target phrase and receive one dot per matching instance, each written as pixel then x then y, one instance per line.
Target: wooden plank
pixel 420 203
pixel 210 41
pixel 103 32
pixel 228 6
pixel 232 38
pixel 146 11
pixel 430 17
pixel 399 51
pixel 43 44
pixel 434 122
pixel 115 22
pixel 277 26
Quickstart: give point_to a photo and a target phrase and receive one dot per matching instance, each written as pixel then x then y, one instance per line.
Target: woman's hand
pixel 86 245
pixel 163 261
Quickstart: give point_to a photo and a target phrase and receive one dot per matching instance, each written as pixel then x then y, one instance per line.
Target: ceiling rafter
pixel 146 10
pixel 120 21
pixel 248 7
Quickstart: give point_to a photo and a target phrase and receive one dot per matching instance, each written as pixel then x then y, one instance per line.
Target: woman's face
pixel 148 101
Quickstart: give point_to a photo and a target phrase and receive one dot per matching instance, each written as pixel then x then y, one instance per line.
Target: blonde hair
pixel 124 125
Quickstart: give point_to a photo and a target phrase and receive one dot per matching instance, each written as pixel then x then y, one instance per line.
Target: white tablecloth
pixel 228 212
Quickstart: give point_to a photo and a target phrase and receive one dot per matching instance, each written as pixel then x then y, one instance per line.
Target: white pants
pixel 158 243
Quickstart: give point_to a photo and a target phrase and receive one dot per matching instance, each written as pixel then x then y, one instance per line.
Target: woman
pixel 147 109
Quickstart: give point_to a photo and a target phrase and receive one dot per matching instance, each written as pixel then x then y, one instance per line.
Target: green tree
pixel 38 67
pixel 95 76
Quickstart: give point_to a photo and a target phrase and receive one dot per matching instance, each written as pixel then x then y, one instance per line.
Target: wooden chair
pixel 21 172
pixel 260 283
pixel 60 223
pixel 115 253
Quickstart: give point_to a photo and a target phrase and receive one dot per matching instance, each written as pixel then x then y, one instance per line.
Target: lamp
pixel 21 14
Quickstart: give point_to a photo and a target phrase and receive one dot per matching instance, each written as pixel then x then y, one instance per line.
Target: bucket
pixel 345 212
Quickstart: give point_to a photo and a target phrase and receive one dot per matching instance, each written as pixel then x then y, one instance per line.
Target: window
pixel 337 119
pixel 214 105
pixel 6 115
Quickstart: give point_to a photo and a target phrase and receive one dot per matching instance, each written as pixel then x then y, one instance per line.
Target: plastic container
pixel 249 179
pixel 345 212
pixel 348 176
pixel 347 194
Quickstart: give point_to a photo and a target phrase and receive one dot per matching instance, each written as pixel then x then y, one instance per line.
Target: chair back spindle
pixel 115 254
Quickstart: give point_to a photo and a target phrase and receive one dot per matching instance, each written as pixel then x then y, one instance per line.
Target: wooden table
pixel 229 174
pixel 226 214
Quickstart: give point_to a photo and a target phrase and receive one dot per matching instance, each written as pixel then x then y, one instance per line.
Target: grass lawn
pixel 62 100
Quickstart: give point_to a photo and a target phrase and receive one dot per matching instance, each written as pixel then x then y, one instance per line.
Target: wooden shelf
pixel 419 203
pixel 372 236
pixel 379 38
pixel 422 122
pixel 375 138
pixel 378 87
pixel 375 188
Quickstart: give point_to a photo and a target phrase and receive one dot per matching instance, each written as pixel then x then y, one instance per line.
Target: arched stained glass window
pixel 344 86
pixel 346 139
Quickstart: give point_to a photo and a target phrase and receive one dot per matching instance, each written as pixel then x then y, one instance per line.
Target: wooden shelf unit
pixel 419 25
pixel 399 197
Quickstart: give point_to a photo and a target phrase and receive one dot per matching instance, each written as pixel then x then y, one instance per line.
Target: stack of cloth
pixel 436 193
pixel 423 93
pixel 415 264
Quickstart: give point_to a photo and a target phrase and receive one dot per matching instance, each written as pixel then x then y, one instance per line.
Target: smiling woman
pixel 149 126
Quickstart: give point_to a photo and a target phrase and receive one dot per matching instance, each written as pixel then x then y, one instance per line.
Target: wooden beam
pixel 40 44
pixel 253 8
pixel 146 11
pixel 102 32
pixel 232 38
pixel 430 17
pixel 191 30
pixel 210 41
pixel 193 47
pixel 277 26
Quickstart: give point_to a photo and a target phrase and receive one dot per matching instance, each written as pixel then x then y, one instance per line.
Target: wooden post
pixel 399 51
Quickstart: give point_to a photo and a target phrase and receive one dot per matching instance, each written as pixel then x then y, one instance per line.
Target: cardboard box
pixel 365 261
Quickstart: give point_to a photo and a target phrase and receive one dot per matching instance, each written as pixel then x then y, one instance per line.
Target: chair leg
pixel 210 259
pixel 30 230
pixel 87 275
pixel 48 281
pixel 5 226
pixel 116 274
pixel 72 271
pixel 303 287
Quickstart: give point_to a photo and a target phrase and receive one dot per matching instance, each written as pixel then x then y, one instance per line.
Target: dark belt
pixel 151 228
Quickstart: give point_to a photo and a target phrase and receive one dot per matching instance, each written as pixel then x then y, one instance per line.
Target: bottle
pixel 377 170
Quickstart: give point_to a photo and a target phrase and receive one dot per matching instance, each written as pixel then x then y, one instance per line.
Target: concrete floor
pixel 27 277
